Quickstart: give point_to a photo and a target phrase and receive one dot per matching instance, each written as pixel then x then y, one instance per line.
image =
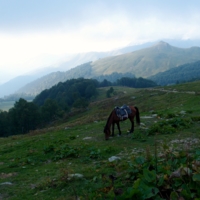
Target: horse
pixel 115 119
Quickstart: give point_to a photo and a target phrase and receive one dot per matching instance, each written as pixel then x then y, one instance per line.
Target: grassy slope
pixel 146 62
pixel 38 164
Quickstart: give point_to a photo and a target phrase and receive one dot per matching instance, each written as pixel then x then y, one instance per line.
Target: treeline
pixel 48 106
pixel 54 103
pixel 114 77
pixel 69 93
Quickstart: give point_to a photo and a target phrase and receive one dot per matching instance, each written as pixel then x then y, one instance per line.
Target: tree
pixel 81 103
pixel 49 110
pixel 24 116
pixel 105 83
pixel 109 92
pixel 90 91
pixel 4 124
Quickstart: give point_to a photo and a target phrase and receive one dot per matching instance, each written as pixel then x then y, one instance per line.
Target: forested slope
pixel 183 73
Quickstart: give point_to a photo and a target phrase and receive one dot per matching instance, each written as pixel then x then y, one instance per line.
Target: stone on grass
pixel 87 138
pixel 182 112
pixel 6 183
pixel 113 158
pixel 75 176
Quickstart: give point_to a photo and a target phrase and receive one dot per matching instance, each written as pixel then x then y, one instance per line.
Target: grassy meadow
pixel 71 159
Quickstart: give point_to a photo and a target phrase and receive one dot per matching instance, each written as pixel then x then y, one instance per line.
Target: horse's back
pixel 133 109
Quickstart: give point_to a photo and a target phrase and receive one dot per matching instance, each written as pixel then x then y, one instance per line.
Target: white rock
pixel 6 183
pixel 182 112
pixel 113 158
pixel 142 124
pixel 75 176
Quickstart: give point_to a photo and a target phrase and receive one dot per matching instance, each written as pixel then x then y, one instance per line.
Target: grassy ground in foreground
pixel 45 164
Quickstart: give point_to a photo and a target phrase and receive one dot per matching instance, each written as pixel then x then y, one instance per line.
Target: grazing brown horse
pixel 115 119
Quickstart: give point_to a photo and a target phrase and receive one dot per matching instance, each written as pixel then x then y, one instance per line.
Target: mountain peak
pixel 162 43
pixel 162 46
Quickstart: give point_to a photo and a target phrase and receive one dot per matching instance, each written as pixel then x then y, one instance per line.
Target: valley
pixel 6 105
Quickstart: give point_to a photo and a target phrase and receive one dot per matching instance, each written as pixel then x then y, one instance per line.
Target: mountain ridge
pixel 142 63
pixel 158 58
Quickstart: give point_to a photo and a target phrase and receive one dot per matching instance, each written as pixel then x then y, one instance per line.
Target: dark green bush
pixel 169 126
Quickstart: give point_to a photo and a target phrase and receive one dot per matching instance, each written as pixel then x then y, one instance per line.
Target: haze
pixel 36 34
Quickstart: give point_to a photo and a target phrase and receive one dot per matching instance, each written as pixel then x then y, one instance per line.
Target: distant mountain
pixel 183 43
pixel 142 63
pixel 148 61
pixel 71 61
pixel 14 84
pixel 174 42
pixel 186 72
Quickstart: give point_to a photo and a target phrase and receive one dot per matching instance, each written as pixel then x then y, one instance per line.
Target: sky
pixel 38 33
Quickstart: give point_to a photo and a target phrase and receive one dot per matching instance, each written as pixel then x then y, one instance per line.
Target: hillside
pixel 141 63
pixel 183 73
pixel 148 61
pixel 84 70
pixel 71 159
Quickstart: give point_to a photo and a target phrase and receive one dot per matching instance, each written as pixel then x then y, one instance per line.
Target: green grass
pixel 39 164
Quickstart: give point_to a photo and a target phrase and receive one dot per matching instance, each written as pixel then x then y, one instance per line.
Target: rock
pixel 75 176
pixel 87 138
pixel 113 158
pixel 6 183
pixel 142 124
pixel 182 112
pixel 146 117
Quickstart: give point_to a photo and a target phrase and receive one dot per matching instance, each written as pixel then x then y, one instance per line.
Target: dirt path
pixel 171 91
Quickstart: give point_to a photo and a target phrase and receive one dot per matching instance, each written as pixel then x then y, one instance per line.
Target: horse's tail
pixel 137 115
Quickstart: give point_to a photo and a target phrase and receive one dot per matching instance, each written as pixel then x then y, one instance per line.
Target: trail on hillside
pixel 172 91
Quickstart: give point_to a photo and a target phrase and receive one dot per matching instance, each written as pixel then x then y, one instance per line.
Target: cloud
pixel 29 29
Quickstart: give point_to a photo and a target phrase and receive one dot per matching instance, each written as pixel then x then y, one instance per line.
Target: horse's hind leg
pixel 132 126
pixel 118 126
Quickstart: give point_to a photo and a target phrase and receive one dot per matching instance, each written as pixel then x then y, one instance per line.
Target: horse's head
pixel 107 132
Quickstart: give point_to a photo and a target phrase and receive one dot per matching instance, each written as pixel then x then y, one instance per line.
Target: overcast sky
pixel 31 30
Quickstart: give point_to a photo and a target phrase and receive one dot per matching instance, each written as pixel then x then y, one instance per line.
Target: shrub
pixel 66 151
pixel 169 126
pixel 195 118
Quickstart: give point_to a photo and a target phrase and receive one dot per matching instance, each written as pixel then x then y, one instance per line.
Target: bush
pixel 195 118
pixel 170 126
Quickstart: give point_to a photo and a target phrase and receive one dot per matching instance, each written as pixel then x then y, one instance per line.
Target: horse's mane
pixel 106 126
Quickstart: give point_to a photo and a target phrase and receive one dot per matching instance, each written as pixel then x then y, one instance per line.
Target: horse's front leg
pixel 118 126
pixel 113 128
